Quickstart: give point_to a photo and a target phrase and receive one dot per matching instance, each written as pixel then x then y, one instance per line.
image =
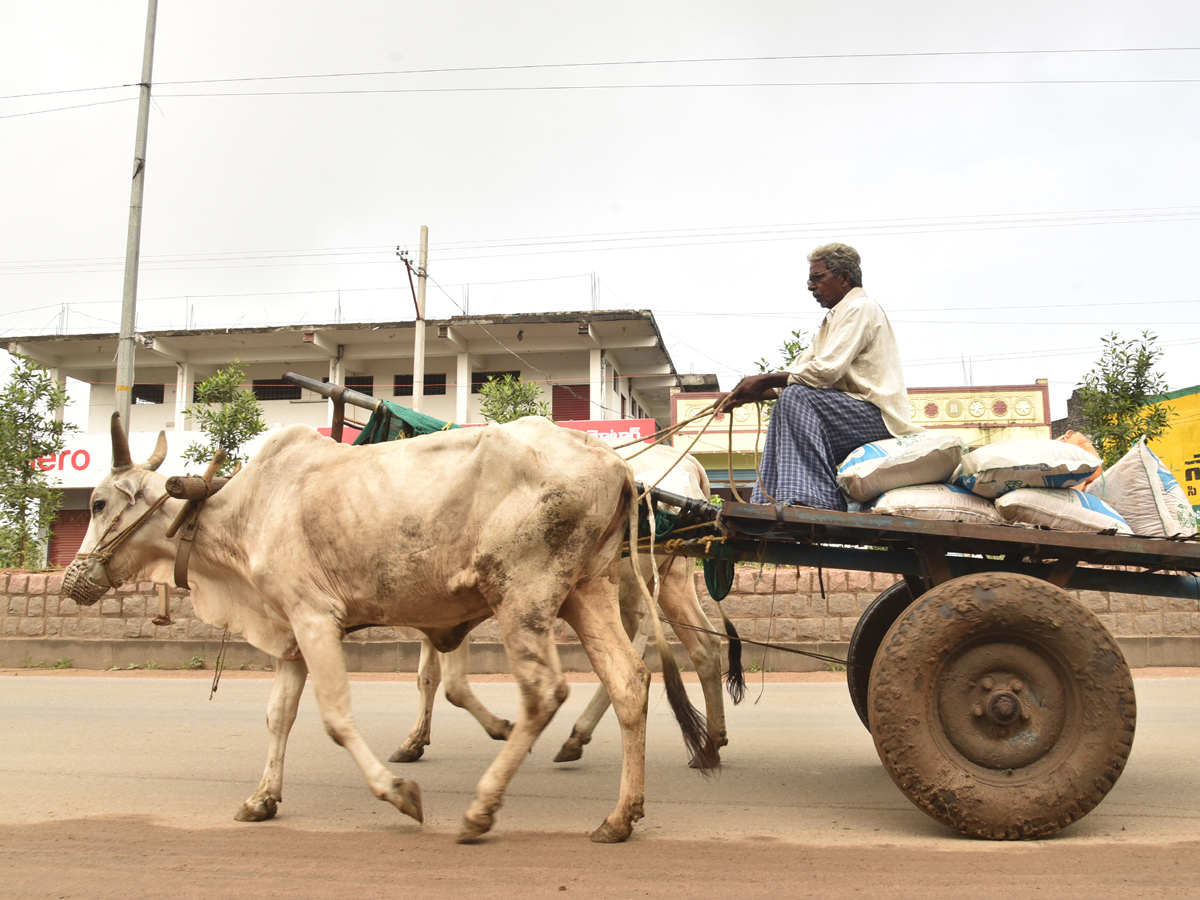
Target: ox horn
pixel 159 454
pixel 120 443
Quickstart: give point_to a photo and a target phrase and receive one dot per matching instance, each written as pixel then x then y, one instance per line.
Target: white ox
pixel 313 538
pixel 673 471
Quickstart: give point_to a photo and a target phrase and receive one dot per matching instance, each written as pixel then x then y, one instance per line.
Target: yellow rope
pixel 757 458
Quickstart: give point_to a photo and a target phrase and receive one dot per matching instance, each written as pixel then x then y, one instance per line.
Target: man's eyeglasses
pixel 818 277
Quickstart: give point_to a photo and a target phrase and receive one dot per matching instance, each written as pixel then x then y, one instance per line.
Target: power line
pixel 635 62
pixel 498 89
pixel 646 239
pixel 695 61
pixel 111 87
pixel 38 112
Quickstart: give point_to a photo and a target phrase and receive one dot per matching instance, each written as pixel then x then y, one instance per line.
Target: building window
pixel 435 385
pixel 148 393
pixel 267 389
pixel 478 379
pixel 571 402
pixel 364 384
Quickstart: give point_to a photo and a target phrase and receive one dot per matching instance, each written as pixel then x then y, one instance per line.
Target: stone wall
pixel 777 605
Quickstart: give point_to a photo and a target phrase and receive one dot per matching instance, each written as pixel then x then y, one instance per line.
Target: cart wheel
pixel 872 625
pixel 1001 706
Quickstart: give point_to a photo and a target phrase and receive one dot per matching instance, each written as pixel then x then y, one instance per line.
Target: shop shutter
pixel 571 403
pixel 67 534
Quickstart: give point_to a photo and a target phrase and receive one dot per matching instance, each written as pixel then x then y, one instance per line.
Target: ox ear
pixel 159 454
pixel 120 446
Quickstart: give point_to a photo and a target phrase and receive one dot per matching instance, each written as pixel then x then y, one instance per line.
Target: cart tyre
pixel 1001 706
pixel 872 625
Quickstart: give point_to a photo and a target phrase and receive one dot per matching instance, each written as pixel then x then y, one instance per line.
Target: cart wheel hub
pixel 1003 707
pixel 1002 703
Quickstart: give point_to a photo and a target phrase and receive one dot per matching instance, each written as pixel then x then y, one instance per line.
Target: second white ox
pixel 313 539
pixel 671 470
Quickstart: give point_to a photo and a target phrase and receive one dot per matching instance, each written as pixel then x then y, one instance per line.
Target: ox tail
pixel 704 754
pixel 735 675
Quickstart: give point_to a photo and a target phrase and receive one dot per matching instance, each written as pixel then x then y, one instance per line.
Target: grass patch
pixel 196 662
pixel 63 662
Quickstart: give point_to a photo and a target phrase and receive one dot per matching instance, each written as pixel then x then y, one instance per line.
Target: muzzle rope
pixel 104 554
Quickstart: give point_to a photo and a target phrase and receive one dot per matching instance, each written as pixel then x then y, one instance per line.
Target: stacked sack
pixel 1023 482
pixel 1144 491
pixel 906 476
pixel 1036 482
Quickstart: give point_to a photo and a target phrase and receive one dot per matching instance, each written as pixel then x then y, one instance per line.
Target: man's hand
pixel 751 389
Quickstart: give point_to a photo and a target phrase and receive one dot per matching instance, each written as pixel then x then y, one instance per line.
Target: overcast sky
pixel 1013 202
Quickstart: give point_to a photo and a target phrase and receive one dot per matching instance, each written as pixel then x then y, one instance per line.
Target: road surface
pixel 125 785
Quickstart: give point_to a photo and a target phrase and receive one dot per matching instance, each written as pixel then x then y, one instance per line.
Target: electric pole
pixel 124 382
pixel 419 346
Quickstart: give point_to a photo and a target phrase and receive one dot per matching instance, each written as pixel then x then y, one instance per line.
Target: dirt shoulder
pixel 571 677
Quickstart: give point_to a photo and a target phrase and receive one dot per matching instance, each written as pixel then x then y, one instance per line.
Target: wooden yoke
pixel 195 491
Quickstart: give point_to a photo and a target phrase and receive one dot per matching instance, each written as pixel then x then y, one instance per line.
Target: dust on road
pixel 131 858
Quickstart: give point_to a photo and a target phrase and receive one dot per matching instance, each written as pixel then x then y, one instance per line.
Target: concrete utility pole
pixel 124 383
pixel 419 346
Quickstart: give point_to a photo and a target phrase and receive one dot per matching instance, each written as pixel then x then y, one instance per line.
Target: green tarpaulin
pixel 391 422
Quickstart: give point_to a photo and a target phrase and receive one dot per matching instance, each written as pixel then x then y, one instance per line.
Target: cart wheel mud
pixel 1001 706
pixel 872 625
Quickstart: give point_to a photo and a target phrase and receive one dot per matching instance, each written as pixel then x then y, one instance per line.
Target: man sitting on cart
pixel 844 391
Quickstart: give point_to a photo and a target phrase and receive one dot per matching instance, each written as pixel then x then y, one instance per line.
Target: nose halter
pixel 77 585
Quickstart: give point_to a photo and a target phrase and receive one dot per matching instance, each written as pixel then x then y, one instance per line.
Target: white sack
pixel 1145 492
pixel 940 502
pixel 897 462
pixel 1062 509
pixel 995 469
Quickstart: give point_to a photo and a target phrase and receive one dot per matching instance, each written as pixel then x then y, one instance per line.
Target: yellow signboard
pixel 978 415
pixel 1179 449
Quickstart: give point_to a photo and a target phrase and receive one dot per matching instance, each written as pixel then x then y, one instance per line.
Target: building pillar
pixel 184 376
pixel 462 388
pixel 596 384
pixel 335 377
pixel 57 376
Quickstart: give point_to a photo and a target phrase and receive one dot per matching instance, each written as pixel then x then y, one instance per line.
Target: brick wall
pixel 775 604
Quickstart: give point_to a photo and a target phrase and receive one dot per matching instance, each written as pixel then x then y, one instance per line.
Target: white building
pixel 591 366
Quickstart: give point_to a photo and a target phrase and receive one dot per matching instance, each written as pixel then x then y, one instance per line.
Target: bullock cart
pixel 998 703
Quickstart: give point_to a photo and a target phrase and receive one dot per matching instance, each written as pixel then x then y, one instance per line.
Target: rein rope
pixel 103 555
pixel 820 657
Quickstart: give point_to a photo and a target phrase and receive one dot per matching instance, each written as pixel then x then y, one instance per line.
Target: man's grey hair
pixel 839 258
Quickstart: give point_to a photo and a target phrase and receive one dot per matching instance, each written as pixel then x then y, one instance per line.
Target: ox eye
pixel 97 507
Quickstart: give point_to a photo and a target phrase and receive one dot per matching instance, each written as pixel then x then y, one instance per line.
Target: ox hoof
pixel 405 754
pixel 571 750
pixel 473 829
pixel 257 812
pixel 709 758
pixel 406 797
pixel 503 732
pixel 608 833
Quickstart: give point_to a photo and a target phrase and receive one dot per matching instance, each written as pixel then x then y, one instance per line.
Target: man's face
pixel 827 288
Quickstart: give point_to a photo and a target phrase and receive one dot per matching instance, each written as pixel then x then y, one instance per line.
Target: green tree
pixel 506 398
pixel 228 415
pixel 792 346
pixel 28 432
pixel 1117 396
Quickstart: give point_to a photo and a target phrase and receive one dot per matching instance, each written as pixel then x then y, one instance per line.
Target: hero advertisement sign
pixel 87 458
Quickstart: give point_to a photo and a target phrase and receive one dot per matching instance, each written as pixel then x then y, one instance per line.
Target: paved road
pixel 800 770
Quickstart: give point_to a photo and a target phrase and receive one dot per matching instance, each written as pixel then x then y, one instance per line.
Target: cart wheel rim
pixel 1002 704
